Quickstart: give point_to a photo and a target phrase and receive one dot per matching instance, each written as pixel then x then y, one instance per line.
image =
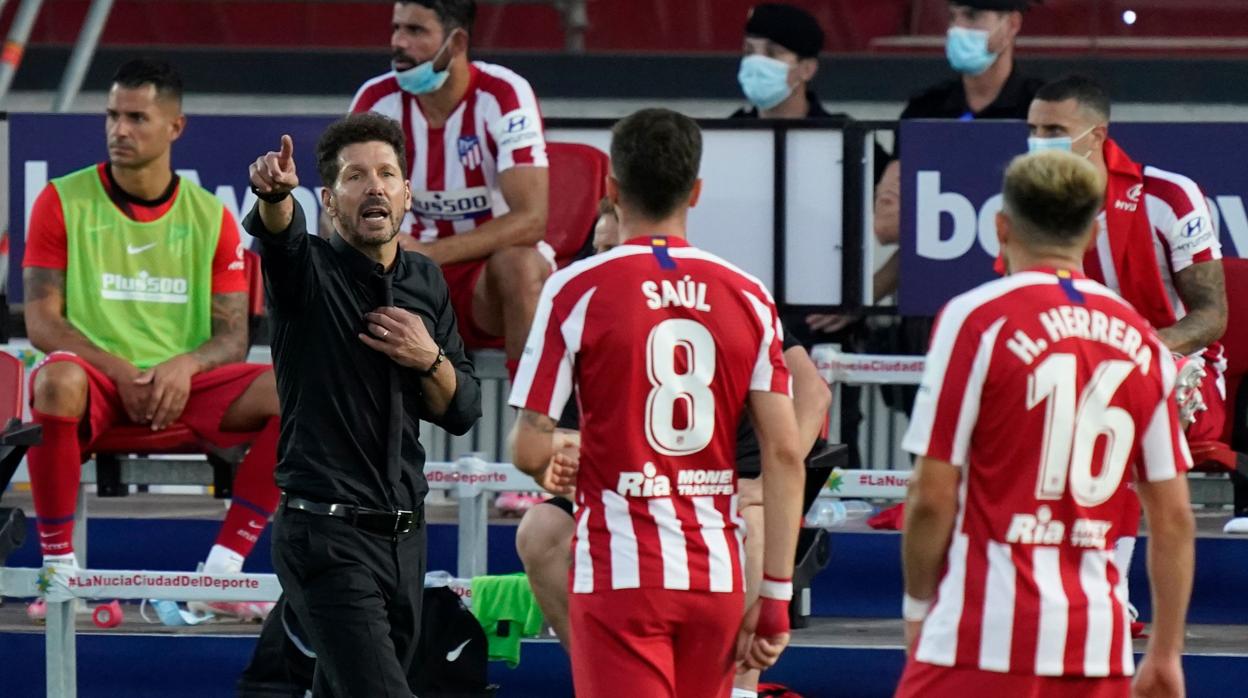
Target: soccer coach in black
pixel 364 346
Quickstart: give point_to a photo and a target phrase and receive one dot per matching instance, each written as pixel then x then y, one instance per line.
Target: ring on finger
pixel 384 333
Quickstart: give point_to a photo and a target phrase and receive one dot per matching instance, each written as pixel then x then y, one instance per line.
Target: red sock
pixel 55 472
pixel 512 366
pixel 255 493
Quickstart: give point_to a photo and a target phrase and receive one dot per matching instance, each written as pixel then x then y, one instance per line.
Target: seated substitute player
pixel 135 289
pixel 1012 588
pixel 1156 245
pixel 658 376
pixel 544 537
pixel 476 156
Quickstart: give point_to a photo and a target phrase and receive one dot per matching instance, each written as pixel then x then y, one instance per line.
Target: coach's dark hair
pixel 1052 197
pixel 148 71
pixel 453 14
pixel 1088 93
pixel 357 128
pixel 655 155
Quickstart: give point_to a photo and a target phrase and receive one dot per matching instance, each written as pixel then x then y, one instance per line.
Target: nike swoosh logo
pixel 142 248
pixel 253 524
pixel 454 654
pixel 43 534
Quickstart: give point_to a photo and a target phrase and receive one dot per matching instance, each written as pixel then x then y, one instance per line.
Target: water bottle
pixel 831 513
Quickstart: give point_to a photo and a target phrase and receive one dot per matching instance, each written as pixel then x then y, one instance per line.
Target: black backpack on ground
pixel 452 656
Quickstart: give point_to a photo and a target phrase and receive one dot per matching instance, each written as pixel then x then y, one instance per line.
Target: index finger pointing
pixel 288 151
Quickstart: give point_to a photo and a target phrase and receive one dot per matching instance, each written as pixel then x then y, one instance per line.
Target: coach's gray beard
pixel 348 226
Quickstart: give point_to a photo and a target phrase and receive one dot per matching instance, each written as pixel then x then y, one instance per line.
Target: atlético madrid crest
pixel 470 152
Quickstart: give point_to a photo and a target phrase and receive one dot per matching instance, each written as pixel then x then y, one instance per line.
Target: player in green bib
pixel 135 287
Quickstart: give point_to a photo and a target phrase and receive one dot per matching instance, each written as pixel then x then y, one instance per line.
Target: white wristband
pixel 780 591
pixel 914 610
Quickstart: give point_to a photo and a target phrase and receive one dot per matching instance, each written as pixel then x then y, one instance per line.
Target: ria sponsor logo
pixel 1042 529
pixel 647 483
pixel 689 483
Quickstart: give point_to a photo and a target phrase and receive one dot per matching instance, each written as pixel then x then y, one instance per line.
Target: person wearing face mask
pixel 1156 245
pixel 779 62
pixel 781 57
pixel 476 156
pixel 979 46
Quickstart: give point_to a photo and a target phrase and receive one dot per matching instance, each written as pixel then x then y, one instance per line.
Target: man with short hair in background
pixel 1045 395
pixel 979 46
pixel 476 157
pixel 1157 246
pixel 135 289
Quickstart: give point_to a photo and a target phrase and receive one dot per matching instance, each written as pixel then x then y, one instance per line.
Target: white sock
pixel 1124 550
pixel 65 560
pixel 222 560
pixel 744 693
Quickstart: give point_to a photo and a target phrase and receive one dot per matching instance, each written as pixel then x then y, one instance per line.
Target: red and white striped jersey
pixel 663 342
pixel 1043 388
pixel 1155 224
pixel 454 169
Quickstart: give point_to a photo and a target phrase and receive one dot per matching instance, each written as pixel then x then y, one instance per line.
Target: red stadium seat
pixel 15 437
pixel 11 386
pixel 1217 456
pixel 577 182
pixel 177 438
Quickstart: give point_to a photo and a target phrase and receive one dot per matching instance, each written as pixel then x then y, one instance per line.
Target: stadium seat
pixel 126 440
pixel 1219 456
pixel 15 438
pixel 577 182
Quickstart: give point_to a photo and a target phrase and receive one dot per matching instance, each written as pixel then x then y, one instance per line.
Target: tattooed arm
pixel 533 451
pixel 229 332
pixel 50 330
pixel 1202 288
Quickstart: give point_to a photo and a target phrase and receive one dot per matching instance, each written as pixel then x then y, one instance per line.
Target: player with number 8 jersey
pixel 1045 395
pixel 666 345
pixel 663 342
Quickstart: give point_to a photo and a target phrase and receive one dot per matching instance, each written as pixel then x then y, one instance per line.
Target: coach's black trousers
pixel 357 596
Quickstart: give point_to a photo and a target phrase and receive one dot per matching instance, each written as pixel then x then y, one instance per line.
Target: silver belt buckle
pixel 399 518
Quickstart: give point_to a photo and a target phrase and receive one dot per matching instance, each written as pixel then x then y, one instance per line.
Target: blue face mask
pixel 1035 144
pixel 423 79
pixel 171 614
pixel 967 50
pixel 764 80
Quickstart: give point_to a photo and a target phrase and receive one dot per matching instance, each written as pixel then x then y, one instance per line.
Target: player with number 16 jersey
pixel 1049 395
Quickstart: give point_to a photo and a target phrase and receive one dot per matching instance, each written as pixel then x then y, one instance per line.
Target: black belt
pixel 385 523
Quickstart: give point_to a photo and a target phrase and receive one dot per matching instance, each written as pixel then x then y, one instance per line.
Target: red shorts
pixel 655 643
pixel 461 280
pixel 922 680
pixel 212 393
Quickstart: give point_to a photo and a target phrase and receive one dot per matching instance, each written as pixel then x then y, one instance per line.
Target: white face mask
pixel 1036 144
